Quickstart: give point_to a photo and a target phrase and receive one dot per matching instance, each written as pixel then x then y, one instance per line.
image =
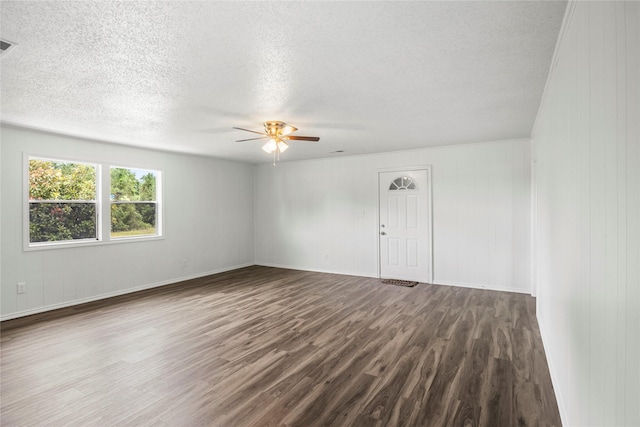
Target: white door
pixel 404 229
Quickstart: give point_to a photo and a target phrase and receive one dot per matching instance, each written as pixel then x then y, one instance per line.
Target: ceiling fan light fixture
pixel 270 146
pixel 278 134
pixel 282 146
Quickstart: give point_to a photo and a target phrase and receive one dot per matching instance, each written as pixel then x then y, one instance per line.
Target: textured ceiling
pixel 365 77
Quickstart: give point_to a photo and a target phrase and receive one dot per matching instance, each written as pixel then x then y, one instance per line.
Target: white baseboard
pixel 222 270
pixel 361 274
pixel 553 373
pixel 481 286
pixel 117 293
pixel 293 267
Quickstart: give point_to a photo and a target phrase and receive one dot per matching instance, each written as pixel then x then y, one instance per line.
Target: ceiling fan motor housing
pixel 277 128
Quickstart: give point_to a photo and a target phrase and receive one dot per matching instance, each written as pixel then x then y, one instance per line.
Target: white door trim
pixel 426 168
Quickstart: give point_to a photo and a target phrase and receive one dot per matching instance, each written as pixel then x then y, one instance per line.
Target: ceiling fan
pixel 278 133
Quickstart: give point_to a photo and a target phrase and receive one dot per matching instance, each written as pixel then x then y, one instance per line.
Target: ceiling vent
pixel 5 47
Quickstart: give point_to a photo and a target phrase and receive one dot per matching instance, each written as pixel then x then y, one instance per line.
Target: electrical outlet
pixel 22 287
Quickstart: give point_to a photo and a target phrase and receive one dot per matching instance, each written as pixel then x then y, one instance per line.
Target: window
pixel 403 183
pixel 79 203
pixel 133 202
pixel 63 201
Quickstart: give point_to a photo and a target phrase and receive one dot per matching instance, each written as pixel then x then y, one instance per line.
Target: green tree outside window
pixel 133 202
pixel 62 201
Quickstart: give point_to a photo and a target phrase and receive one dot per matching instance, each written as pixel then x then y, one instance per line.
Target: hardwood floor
pixel 270 347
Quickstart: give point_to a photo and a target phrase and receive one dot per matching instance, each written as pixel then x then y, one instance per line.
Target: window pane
pixel 55 180
pixel 402 183
pixel 130 216
pixel 52 222
pixel 133 219
pixel 60 185
pixel 128 184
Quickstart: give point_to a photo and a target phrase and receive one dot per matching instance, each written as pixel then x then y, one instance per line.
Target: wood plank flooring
pixel 263 346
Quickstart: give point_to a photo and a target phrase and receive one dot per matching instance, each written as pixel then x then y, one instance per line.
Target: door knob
pixel 383 233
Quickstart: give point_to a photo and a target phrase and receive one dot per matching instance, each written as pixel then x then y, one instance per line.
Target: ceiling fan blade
pixel 301 138
pixel 248 130
pixel 252 139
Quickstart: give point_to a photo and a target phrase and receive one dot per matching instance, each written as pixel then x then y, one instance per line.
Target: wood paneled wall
pixel 321 215
pixel 586 149
pixel 208 226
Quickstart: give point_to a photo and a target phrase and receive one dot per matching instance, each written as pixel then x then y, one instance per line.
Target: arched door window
pixel 403 183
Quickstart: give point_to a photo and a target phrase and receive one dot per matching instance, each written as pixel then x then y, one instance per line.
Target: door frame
pixel 429 196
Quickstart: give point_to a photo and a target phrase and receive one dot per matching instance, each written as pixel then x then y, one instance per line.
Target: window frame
pixel 103 205
pixel 157 202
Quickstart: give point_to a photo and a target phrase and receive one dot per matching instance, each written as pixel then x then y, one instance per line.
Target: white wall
pixel 321 214
pixel 208 220
pixel 586 145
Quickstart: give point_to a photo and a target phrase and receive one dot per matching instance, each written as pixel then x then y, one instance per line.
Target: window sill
pixel 87 243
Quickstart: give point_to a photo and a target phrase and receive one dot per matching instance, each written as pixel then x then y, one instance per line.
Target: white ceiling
pixel 365 77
